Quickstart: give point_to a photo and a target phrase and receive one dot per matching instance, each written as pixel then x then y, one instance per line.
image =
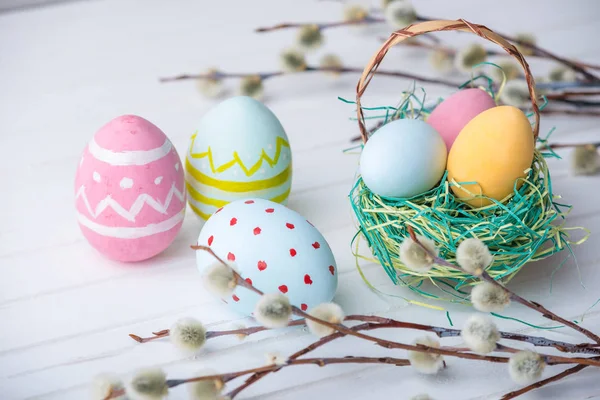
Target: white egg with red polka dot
pixel 274 248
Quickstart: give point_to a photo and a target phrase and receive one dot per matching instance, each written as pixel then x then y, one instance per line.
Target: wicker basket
pixel 525 227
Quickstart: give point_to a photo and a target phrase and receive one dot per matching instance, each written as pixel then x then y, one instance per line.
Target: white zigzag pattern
pixel 137 206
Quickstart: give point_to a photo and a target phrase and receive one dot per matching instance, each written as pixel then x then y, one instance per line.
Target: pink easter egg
pixel 452 114
pixel 129 190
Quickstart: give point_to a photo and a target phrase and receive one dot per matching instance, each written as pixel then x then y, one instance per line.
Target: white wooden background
pixel 65 311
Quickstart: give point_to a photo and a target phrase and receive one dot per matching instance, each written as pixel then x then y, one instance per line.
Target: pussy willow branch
pixel 558 97
pixel 346 70
pixel 321 362
pixel 315 345
pixel 453 51
pixel 537 51
pixel 374 322
pixel 342 70
pixel 575 113
pixel 379 324
pixel 369 19
pixel 575 65
pixel 213 334
pixel 576 102
pixel 348 331
pixel 583 348
pixel 543 382
pixel 322 26
pixel 538 341
pixel 569 93
pixel 388 343
pixel 341 330
pixel 513 296
pixel 568 145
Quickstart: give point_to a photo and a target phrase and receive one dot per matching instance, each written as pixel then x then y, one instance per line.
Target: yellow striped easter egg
pixel 240 150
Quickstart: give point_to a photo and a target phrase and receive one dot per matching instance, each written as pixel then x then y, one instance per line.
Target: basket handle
pixel 435 26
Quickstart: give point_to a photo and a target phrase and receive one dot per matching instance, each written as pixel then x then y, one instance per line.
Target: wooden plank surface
pixel 67 69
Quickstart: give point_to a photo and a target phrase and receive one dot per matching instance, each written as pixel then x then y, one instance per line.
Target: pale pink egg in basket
pixel 452 114
pixel 129 190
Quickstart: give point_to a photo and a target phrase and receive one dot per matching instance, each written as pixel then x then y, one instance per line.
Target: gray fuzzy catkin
pixel 488 297
pixel 585 160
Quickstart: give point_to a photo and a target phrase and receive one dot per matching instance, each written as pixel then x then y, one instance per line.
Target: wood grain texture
pixel 66 310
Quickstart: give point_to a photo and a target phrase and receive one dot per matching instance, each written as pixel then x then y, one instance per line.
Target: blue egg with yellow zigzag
pixel 240 150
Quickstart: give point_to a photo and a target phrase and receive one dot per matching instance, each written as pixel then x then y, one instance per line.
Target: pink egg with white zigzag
pixel 129 190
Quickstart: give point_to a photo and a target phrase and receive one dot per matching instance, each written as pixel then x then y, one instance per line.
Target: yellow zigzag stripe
pixel 281 142
pixel 238 187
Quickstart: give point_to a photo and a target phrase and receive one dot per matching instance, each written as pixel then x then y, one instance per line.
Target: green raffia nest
pixel 527 226
pixel 523 229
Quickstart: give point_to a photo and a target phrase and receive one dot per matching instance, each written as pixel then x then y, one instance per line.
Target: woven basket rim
pixel 437 26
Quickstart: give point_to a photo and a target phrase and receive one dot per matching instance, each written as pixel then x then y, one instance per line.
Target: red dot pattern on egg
pixel 218 210
pixel 261 265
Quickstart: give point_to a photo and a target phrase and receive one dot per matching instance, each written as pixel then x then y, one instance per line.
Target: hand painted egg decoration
pixel 494 150
pixel 129 190
pixel 452 114
pixel 240 150
pixel 403 158
pixel 273 247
